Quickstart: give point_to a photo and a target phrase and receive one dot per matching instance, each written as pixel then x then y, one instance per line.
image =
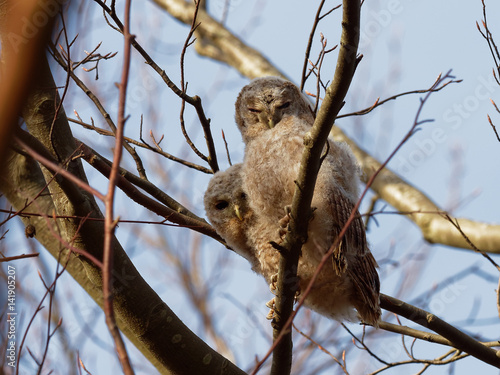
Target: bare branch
pixel 22 256
pixel 20 56
pixel 458 339
pixel 379 102
pixel 421 210
pixel 195 101
pixel 317 18
pixel 145 145
pixel 314 142
pixel 488 36
pixel 323 349
pixel 493 127
pixel 109 221
pixel 176 214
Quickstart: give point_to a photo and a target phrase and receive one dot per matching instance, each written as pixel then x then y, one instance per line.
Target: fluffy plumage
pixel 266 101
pixel 274 138
pixel 228 211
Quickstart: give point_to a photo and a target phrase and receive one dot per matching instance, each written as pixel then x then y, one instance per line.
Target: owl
pixel 265 101
pixel 270 168
pixel 228 211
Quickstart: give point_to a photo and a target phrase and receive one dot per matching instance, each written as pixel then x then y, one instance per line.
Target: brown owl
pixel 228 211
pixel 265 101
pixel 271 165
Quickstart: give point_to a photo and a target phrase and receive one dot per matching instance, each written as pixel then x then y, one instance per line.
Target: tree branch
pixel 176 215
pixel 314 143
pixel 195 101
pixel 141 314
pixel 457 338
pixel 109 202
pixel 421 209
pixel 397 192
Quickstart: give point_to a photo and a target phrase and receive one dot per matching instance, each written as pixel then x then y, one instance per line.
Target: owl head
pixel 264 102
pixel 228 210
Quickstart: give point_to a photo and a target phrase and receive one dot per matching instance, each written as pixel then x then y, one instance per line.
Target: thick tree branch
pixel 141 314
pixel 457 338
pixel 314 142
pixel 21 52
pixel 420 209
pixel 173 215
pixel 397 192
pixel 387 184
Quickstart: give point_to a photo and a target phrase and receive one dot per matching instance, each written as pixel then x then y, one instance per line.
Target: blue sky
pixel 454 160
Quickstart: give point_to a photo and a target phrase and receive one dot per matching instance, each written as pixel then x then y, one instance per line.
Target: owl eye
pixel 243 196
pixel 254 110
pixel 221 205
pixel 284 105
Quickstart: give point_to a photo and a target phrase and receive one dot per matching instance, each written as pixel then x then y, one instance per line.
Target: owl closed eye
pixel 263 103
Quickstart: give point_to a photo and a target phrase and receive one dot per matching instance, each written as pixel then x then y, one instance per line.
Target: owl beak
pixel 271 123
pixel 237 212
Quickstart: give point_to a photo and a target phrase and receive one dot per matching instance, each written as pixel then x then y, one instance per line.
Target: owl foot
pixel 272 305
pixel 284 223
pixel 272 285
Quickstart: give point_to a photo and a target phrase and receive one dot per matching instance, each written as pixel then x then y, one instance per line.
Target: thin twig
pixel 226 147
pixel 434 88
pixel 109 224
pixel 37 310
pixel 309 45
pixel 493 127
pixel 459 339
pixel 16 257
pixel 195 101
pixel 488 36
pixel 322 348
pixel 143 144
pixel 363 344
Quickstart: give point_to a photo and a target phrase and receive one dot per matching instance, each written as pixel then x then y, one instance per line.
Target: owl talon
pixel 271 304
pixel 272 285
pixel 284 222
pixel 297 295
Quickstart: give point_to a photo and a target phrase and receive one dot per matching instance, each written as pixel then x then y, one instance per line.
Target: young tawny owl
pixel 271 165
pixel 265 101
pixel 227 210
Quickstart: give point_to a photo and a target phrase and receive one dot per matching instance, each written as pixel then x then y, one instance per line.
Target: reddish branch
pixel 109 223
pixel 23 256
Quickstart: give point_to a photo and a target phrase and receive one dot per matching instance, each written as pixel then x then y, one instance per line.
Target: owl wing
pixel 353 257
